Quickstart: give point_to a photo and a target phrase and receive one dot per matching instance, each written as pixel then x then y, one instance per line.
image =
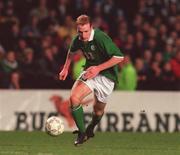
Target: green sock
pixel 78 115
pixel 95 120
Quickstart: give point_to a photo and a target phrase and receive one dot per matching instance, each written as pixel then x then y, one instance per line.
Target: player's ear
pixel 91 27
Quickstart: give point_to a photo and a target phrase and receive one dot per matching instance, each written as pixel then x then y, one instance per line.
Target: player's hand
pixel 63 74
pixel 91 72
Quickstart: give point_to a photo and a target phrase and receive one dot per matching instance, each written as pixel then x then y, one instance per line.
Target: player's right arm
pixel 74 47
pixel 64 72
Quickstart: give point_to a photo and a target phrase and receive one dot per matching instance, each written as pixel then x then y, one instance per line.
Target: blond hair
pixel 83 19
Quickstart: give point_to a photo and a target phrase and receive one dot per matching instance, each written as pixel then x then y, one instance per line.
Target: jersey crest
pixel 93 48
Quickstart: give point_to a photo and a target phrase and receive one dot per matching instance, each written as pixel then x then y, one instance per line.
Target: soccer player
pixel 99 75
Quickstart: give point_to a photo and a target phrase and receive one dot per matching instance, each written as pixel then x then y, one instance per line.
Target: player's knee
pixel 74 100
pixel 98 112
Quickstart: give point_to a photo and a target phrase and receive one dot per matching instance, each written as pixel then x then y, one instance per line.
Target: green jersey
pixel 97 50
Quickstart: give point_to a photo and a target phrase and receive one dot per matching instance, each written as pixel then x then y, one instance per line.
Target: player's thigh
pixel 98 106
pixel 80 90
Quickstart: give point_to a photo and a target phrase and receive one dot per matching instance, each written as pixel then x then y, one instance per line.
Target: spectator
pixel 14 80
pixel 168 77
pixel 64 8
pixel 168 52
pixel 8 65
pixel 129 46
pixel 2 52
pixel 154 77
pixel 147 56
pixel 158 58
pixel 127 76
pixel 49 24
pixel 31 30
pixel 41 11
pixel 47 70
pixel 28 68
pixel 175 65
pixel 139 44
pixel 67 29
pixel 141 74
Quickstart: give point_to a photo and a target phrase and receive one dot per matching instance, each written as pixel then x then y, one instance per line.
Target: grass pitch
pixel 39 143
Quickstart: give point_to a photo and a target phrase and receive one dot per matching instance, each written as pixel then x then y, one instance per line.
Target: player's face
pixel 84 31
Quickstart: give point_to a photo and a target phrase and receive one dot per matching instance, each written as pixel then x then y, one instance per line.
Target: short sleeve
pixel 74 46
pixel 108 45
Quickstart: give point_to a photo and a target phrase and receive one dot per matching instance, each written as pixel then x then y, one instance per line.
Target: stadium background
pixel 34 38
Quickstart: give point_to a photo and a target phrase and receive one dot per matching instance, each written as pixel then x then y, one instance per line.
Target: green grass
pixel 39 143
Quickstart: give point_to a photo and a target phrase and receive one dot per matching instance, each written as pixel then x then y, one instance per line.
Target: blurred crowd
pixel 36 34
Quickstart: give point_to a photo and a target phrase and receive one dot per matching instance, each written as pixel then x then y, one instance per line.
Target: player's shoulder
pixel 75 40
pixel 99 34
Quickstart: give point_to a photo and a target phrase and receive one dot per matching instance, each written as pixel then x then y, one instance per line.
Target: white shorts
pixel 100 85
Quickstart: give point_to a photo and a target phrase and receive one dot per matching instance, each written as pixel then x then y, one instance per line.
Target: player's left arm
pixel 93 71
pixel 111 62
pixel 113 52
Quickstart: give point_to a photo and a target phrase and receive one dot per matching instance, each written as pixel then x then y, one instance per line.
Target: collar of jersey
pixel 92 35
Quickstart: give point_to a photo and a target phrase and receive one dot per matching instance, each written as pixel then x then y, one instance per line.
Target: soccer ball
pixel 54 126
